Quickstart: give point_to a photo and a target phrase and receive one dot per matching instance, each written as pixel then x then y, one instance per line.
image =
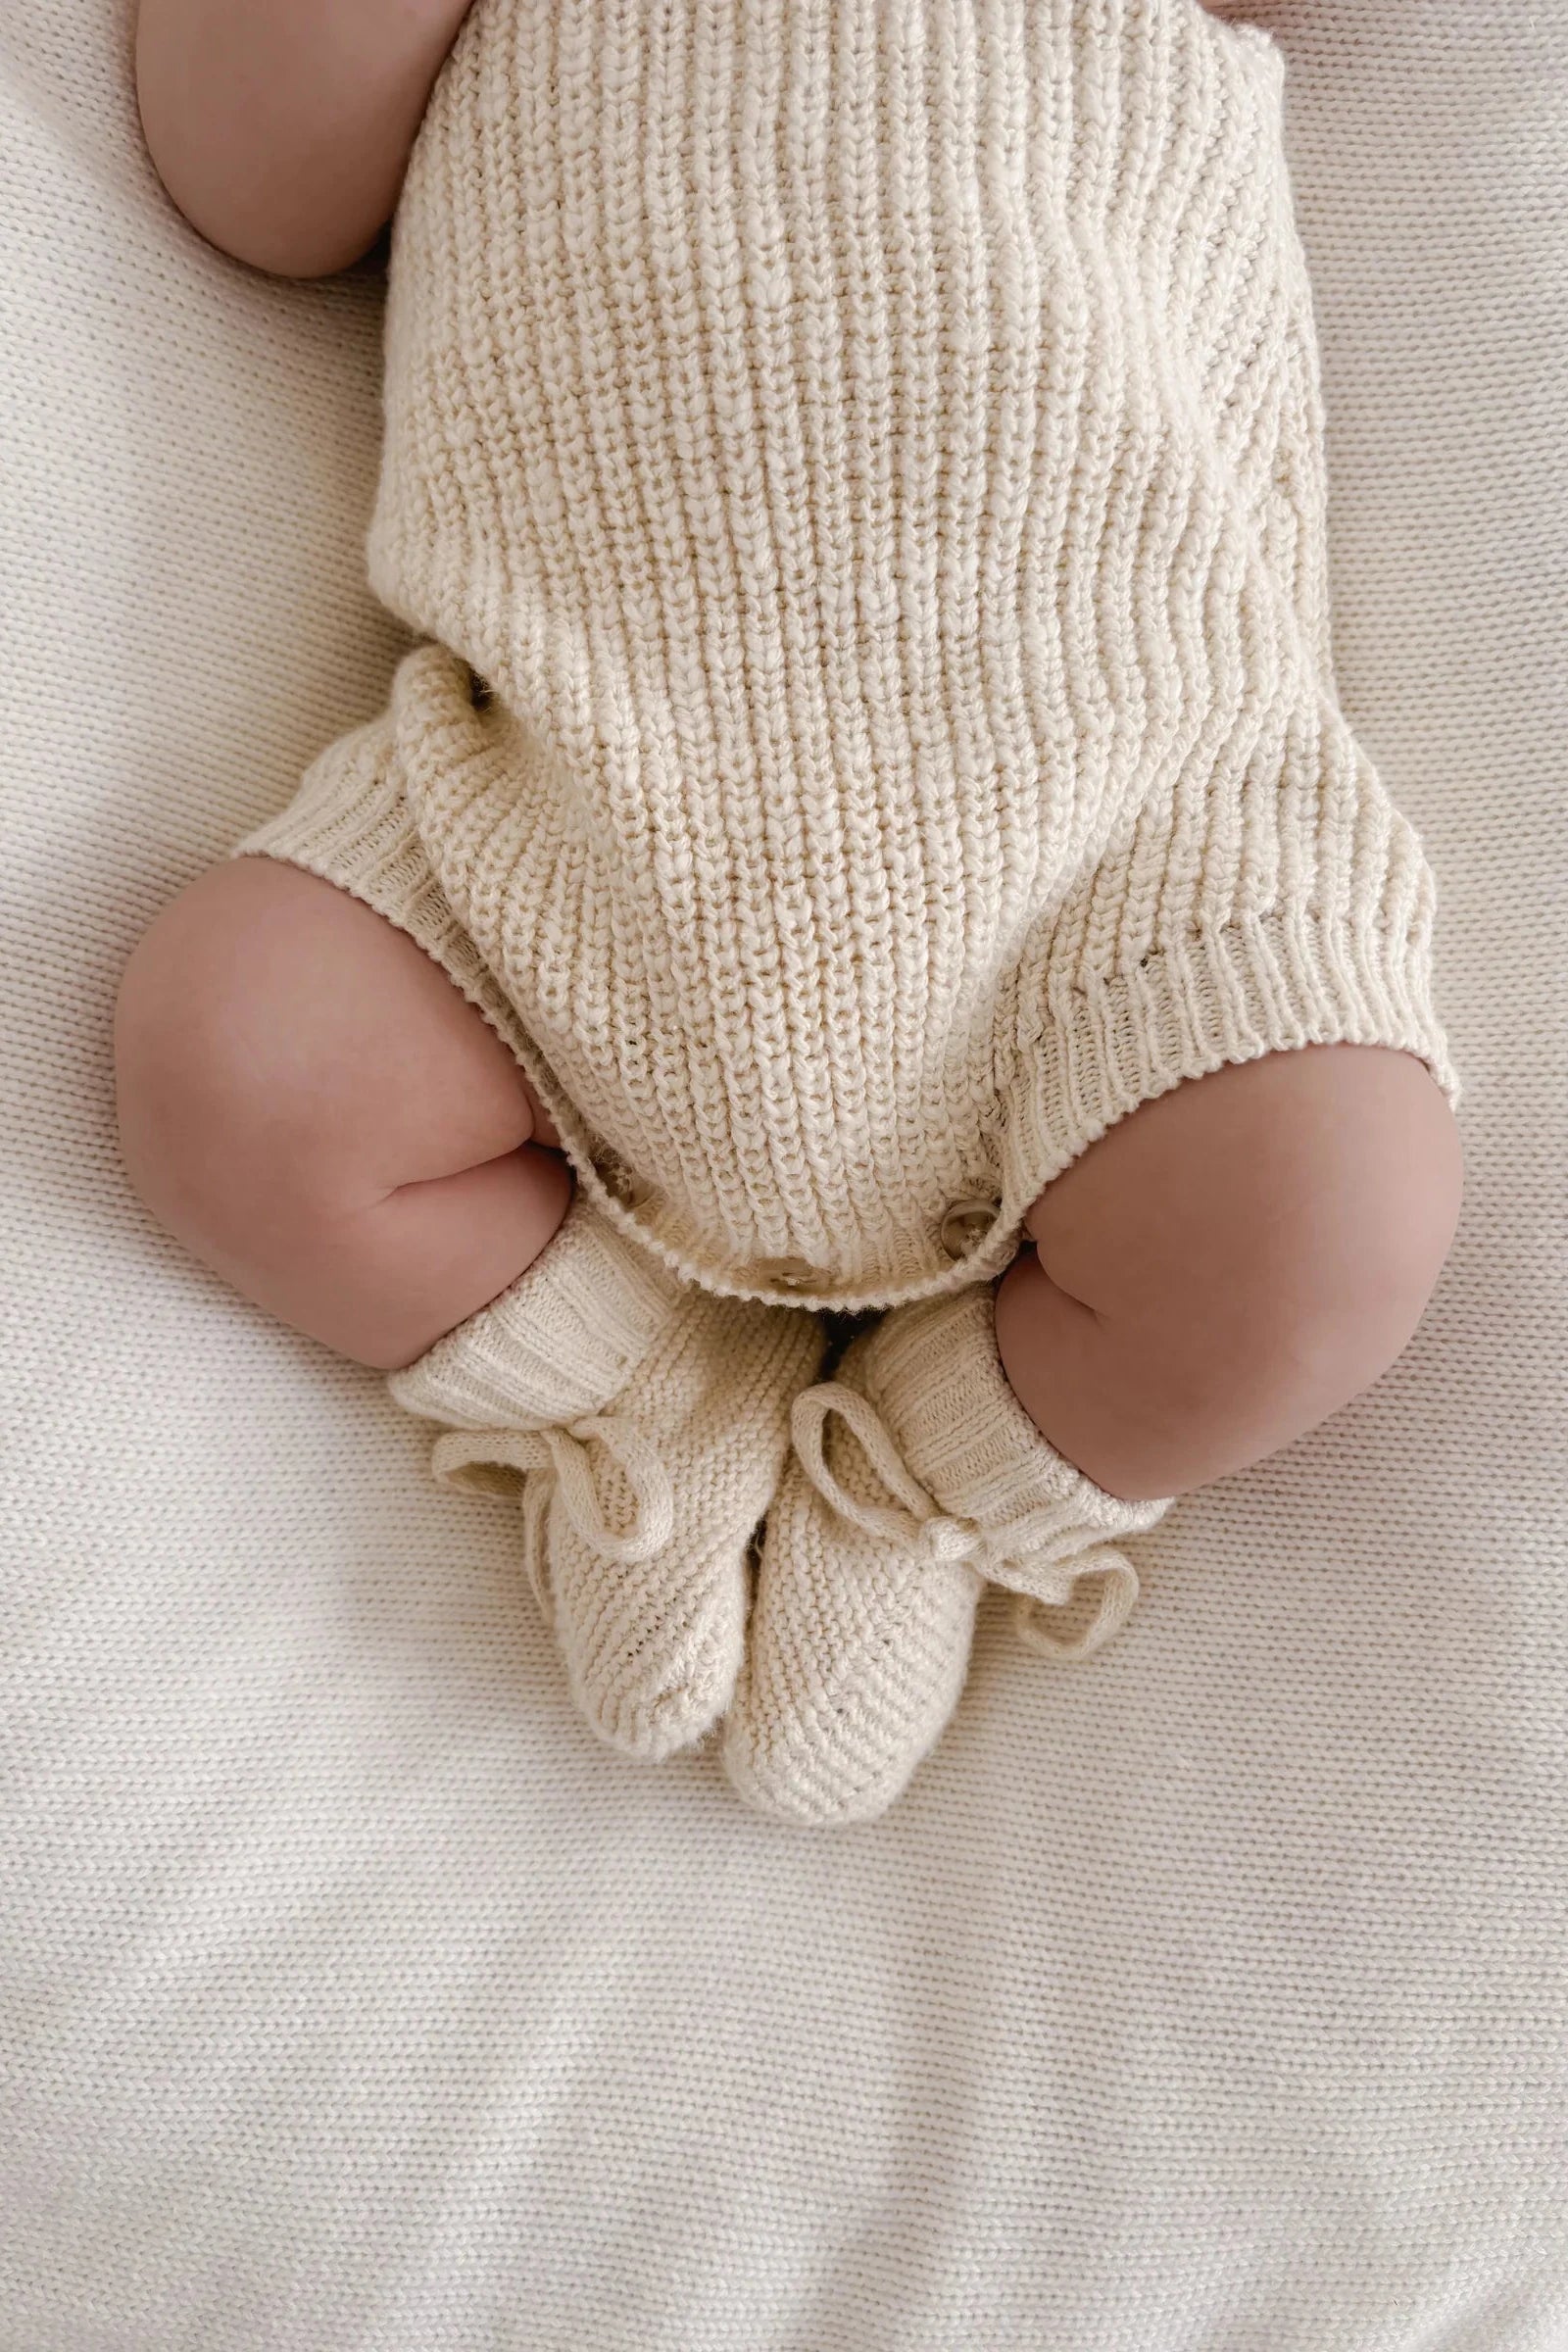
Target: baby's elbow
pixel 287 216
pixel 276 242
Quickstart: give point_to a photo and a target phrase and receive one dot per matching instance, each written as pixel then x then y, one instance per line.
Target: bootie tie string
pixel 560 1456
pixel 1033 1556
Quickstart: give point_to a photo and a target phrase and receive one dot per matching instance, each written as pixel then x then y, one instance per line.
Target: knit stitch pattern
pixel 352 1993
pixel 642 1424
pixel 871 454
pixel 915 1476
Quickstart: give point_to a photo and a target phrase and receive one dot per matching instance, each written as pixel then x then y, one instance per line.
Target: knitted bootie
pixel 876 1548
pixel 636 1549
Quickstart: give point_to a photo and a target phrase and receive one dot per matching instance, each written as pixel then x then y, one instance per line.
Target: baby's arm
pixel 282 129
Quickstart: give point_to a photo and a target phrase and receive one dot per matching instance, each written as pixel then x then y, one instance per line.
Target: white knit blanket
pixel 1207 1998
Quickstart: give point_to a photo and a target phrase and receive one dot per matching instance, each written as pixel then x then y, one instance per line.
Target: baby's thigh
pixel 1276 1203
pixel 276 1035
pixel 1231 1263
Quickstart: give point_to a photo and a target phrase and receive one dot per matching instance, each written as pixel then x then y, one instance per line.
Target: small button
pixel 795 1273
pixel 628 1184
pixel 966 1222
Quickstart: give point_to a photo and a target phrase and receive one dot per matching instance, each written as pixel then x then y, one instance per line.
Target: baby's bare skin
pixel 282 129
pixel 323 1118
pixel 314 1109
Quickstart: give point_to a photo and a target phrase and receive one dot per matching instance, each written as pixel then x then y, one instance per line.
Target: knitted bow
pixel 1043 1573
pixel 559 1458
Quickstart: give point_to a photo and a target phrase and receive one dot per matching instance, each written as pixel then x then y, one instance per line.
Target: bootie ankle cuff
pixel 560 1341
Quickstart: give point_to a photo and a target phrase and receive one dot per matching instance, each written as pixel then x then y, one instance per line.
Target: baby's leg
pixel 318 1113
pixel 1231 1263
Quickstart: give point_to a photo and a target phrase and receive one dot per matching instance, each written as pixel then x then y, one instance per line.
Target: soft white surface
pixel 1210 1996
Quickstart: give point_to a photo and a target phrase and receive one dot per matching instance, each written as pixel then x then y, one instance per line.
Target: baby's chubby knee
pixel 1321 1186
pixel 210 1088
pixel 1340 1211
pixel 316 1110
pixel 1378 1236
pixel 1257 1248
pixel 284 1056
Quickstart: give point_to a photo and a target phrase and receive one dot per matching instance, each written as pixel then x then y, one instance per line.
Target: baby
pixel 867 829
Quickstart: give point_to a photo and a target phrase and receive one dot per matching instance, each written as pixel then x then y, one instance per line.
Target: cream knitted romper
pixel 856 469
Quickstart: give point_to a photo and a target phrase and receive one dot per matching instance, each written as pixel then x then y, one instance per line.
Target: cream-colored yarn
pixel 562 1338
pixel 1211 1995
pixel 916 1475
pixel 648 1422
pixel 872 456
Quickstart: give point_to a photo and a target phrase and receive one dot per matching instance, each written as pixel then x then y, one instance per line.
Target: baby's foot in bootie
pixel 929 1479
pixel 647 1421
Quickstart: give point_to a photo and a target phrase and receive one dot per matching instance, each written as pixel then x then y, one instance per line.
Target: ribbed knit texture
pixel 353 1996
pixel 642 1424
pixel 914 1475
pixel 562 1340
pixel 871 456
